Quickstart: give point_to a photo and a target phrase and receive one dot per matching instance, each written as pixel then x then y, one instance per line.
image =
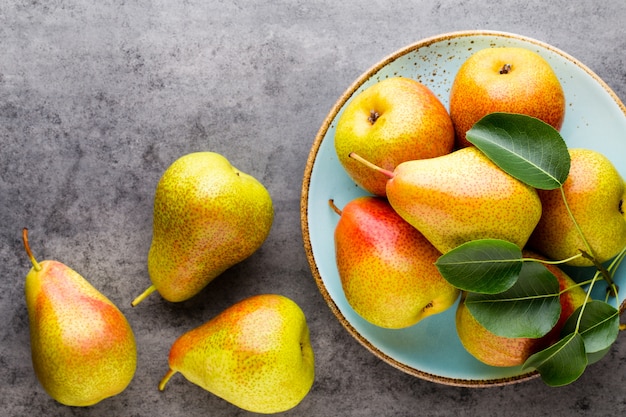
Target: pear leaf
pixel 523 146
pixel 596 356
pixel 486 266
pixel 530 308
pixel 599 325
pixel 562 363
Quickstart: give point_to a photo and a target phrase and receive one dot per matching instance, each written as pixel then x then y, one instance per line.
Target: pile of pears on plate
pixel 429 191
pixel 208 216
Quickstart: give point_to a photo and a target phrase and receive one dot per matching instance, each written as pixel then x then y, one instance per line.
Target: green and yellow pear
pixel 595 194
pixel 501 351
pixel 392 121
pixel 83 348
pixel 462 196
pixel 208 216
pixel 386 267
pixel 256 355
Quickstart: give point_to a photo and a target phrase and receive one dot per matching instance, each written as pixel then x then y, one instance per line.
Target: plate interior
pixel 595 118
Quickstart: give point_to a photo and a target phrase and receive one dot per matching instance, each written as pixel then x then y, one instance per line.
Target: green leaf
pixel 596 356
pixel 562 363
pixel 599 325
pixel 523 146
pixel 486 266
pixel 530 308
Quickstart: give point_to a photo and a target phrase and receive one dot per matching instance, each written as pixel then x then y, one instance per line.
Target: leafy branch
pixel 516 296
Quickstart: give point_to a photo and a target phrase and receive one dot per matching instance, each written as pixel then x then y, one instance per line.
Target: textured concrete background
pixel 98 98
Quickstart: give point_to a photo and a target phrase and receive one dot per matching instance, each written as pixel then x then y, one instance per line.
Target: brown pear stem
pixel 166 378
pixel 371 165
pixel 143 295
pixel 374 115
pixel 36 265
pixel 332 205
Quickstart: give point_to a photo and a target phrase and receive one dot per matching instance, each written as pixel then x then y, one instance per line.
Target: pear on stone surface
pixel 208 216
pixel 386 267
pixel 462 196
pixel 501 351
pixel 255 354
pixel 395 120
pixel 595 193
pixel 83 348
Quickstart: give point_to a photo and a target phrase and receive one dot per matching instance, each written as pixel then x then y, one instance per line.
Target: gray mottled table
pixel 98 98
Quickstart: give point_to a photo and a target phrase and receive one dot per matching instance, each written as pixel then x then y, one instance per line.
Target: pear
pixel 505 79
pixel 83 349
pixel 386 267
pixel 255 354
pixel 395 120
pixel 462 196
pixel 208 216
pixel 595 193
pixel 507 351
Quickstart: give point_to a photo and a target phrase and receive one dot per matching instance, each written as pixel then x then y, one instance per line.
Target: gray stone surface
pixel 98 98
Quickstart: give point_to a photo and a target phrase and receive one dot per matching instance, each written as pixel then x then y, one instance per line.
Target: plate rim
pixel 310 162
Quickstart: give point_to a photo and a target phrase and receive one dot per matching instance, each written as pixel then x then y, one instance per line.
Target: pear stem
pixel 332 205
pixel 371 165
pixel 36 265
pixel 143 295
pixel 165 379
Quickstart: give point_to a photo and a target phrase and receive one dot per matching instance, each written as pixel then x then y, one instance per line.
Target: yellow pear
pixel 505 79
pixel 595 193
pixel 83 348
pixel 208 216
pixel 395 120
pixel 462 196
pixel 386 267
pixel 255 354
pixel 508 351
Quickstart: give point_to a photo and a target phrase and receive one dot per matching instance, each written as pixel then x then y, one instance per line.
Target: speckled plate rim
pixel 311 160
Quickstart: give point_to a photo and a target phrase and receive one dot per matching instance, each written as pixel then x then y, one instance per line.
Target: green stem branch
pixel 588 253
pixel 587 297
pixel 549 262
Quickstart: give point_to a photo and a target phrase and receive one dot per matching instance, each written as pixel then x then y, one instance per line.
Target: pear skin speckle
pixel 595 192
pixel 83 348
pixel 208 216
pixel 387 267
pixel 256 354
pixel 461 197
pixel 529 86
pixel 395 120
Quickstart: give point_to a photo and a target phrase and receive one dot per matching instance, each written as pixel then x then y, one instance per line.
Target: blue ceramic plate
pixel 595 118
